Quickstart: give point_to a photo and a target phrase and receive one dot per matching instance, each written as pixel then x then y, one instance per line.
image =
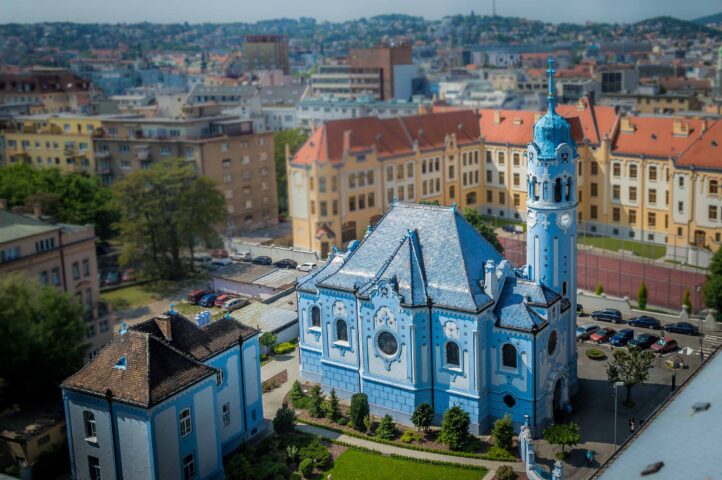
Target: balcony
pixel 102 154
pixel 142 153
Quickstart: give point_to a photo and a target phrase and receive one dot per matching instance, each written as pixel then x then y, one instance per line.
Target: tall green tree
pixel 69 197
pixel 359 411
pixel 630 367
pixel 165 211
pixel 294 138
pixel 455 428
pixel 642 296
pixel 562 434
pixel 268 340
pixel 503 433
pixel 712 289
pixel 476 220
pixel 42 336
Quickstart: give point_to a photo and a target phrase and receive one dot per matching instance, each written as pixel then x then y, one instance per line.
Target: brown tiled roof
pixel 153 371
pixel 199 343
pixel 389 136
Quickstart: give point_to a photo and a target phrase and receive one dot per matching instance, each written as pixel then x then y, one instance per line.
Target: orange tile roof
pixel 706 152
pixel 654 137
pixel 390 137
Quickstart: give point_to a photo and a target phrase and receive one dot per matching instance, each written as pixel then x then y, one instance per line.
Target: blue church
pixel 424 309
pixel 167 398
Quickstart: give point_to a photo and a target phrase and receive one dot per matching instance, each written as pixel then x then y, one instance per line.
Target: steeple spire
pixel 551 97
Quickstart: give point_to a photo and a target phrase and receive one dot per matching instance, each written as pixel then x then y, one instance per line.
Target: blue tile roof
pixel 443 255
pixel 513 307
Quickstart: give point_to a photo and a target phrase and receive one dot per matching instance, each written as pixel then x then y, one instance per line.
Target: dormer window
pixel 122 363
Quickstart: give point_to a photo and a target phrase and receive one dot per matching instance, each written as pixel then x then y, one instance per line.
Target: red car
pixel 664 345
pixel 219 253
pixel 602 335
pixel 221 299
pixel 195 295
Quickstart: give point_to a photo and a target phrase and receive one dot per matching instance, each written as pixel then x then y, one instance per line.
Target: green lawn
pixel 648 250
pixel 357 465
pixel 129 297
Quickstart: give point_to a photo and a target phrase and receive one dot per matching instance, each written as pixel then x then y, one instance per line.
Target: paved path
pixel 405 452
pixel 273 400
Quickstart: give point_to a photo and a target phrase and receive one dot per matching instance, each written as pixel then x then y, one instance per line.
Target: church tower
pixel 552 202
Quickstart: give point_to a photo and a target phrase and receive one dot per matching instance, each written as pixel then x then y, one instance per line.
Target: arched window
pixel 452 354
pixel 546 192
pixel 569 188
pixel 315 317
pixel 558 190
pixel 552 344
pixel 341 331
pixel 471 198
pixel 508 355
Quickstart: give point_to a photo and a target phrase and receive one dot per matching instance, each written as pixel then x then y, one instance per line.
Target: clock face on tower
pixel 565 220
pixel 530 218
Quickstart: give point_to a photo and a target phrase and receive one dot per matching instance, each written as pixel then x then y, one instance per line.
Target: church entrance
pixel 558 400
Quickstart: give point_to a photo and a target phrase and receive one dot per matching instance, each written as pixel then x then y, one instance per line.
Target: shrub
pixel 315 402
pixel 264 357
pixel 342 421
pixel 296 391
pixel 285 420
pixel 409 436
pixel 686 302
pixel 499 454
pixel 387 428
pixel 423 416
pixel 333 411
pixel 454 428
pixel 505 472
pixel 282 348
pixel 292 453
pixel 306 467
pixel 368 423
pixel 317 453
pixel 503 432
pixel 295 476
pixel 599 290
pixel 642 296
pixel 268 339
pixel 359 410
pixel 596 354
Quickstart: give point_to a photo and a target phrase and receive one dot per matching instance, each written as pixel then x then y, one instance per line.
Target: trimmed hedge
pixel 481 456
pixel 285 347
pixel 596 354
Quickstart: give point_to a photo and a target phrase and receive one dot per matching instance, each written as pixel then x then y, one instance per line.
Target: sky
pixel 194 11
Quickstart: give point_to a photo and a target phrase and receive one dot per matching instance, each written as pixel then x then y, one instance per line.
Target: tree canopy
pixel 712 289
pixel 294 138
pixel 166 211
pixel 475 219
pixel 42 335
pixel 630 367
pixel 69 197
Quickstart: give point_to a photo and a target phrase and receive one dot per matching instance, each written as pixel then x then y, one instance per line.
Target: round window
pixel 552 345
pixel 509 401
pixel 387 343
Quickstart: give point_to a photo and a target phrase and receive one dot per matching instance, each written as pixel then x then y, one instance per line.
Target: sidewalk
pixel 405 452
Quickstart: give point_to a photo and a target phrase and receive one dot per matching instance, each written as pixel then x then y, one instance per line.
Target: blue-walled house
pixel 424 309
pixel 166 399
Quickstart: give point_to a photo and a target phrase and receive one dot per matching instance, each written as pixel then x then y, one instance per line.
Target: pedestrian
pixel 631 425
pixel 590 458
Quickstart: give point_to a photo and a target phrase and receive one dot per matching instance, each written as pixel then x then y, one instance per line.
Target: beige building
pixel 60 255
pixel 45 90
pixel 640 178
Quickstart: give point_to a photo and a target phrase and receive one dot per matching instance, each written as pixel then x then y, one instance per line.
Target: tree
pixel 503 433
pixel 505 472
pixel 42 334
pixel 599 290
pixel 165 211
pixel 423 416
pixel 285 420
pixel 642 296
pixel 358 411
pixel 333 410
pixel 296 392
pixel 712 292
pixel 386 429
pixel 306 467
pixel 630 367
pixel 294 138
pixel 268 340
pixel 368 423
pixel 315 402
pixel 475 219
pixel 686 302
pixel 455 428
pixel 562 434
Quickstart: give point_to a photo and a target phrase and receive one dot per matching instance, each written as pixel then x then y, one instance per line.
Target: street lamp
pixel 616 384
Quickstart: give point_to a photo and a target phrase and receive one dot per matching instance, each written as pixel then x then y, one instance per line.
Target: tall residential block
pixel 266 52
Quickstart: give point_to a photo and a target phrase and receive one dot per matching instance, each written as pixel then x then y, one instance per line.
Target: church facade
pixel 424 309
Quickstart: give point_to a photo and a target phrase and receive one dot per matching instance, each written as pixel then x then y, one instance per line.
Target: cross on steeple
pixel 551 99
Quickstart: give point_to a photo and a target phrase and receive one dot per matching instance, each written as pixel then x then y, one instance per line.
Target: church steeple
pixel 551 96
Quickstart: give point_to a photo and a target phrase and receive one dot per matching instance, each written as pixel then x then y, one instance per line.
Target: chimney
pixel 3 204
pixel 490 279
pixel 680 128
pixel 497 117
pixel 626 125
pixel 163 322
pixel 37 211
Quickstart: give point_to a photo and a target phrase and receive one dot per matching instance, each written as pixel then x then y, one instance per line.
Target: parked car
pixel 194 296
pixel 244 256
pixel 221 299
pixel 234 304
pixel 608 315
pixel 645 321
pixel 643 341
pixel 128 275
pixel 202 259
pixel 508 227
pixel 262 260
pixel 306 267
pixel 286 263
pixel 207 300
pixel 585 331
pixel 622 337
pixel 602 335
pixel 580 309
pixel 664 345
pixel 682 327
pixel 220 262
pixel 219 253
pixel 111 278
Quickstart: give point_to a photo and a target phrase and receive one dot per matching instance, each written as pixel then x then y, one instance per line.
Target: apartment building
pixel 47 90
pixel 266 52
pixel 224 148
pixel 60 255
pixel 642 178
pixel 61 140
